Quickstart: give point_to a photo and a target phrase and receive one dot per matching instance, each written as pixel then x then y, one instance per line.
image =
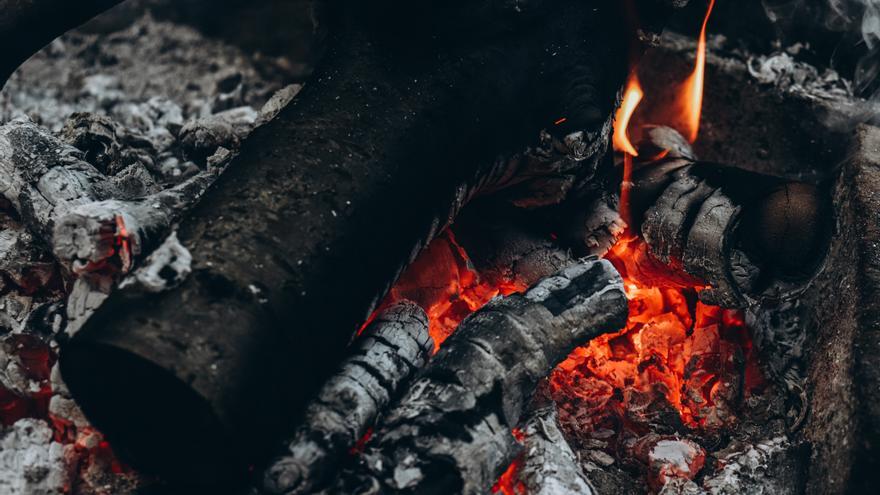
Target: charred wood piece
pixel 329 183
pixel 749 236
pixel 113 235
pixel 44 178
pixel 451 431
pixel 550 466
pixel 387 355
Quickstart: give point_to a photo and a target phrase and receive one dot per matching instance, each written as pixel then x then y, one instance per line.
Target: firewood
pixel 90 236
pixel 451 431
pixel 25 27
pixel 44 178
pixel 748 236
pixel 550 466
pixel 337 195
pixel 388 353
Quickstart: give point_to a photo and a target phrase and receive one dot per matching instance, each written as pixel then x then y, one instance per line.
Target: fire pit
pixel 539 248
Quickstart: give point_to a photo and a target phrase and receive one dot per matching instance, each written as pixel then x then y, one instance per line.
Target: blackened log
pixel 323 208
pixel 550 466
pixel 748 236
pixel 26 26
pixel 389 352
pixel 452 431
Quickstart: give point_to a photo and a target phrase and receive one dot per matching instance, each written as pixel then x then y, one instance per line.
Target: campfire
pixel 538 248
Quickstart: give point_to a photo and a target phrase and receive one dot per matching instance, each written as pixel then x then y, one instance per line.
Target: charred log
pixel 451 431
pixel 550 466
pixel 338 193
pixel 44 178
pixel 749 236
pixel 389 352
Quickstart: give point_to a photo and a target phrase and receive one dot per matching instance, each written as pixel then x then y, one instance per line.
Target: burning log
pixel 25 27
pixel 451 431
pixel 389 352
pixel 328 184
pixel 745 234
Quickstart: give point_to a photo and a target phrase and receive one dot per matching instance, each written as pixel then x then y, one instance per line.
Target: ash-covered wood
pixel 89 236
pixel 44 178
pixel 451 431
pixel 388 353
pixel 550 466
pixel 747 235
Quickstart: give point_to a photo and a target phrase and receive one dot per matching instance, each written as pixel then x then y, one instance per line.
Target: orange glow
pixel 443 282
pixel 692 95
pixel 631 99
pixel 508 484
pixel 123 243
pixel 674 352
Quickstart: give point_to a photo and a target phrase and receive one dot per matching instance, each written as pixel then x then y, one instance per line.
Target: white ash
pixel 166 268
pixel 87 294
pixel 746 467
pixel 31 463
pixel 154 71
pixel 784 72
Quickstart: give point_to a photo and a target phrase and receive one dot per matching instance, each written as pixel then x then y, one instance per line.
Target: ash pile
pixel 141 114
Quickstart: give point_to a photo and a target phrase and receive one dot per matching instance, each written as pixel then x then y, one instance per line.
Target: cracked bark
pixel 389 352
pixel 748 236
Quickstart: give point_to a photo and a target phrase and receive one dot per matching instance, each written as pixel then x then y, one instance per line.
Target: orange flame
pixel 631 99
pixel 692 95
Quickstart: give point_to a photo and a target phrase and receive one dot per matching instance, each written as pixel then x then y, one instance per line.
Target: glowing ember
pixel 444 283
pixel 692 94
pixel 508 484
pixel 674 351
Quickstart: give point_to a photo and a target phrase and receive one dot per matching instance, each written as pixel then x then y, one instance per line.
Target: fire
pixel 444 283
pixel 632 96
pixel 692 94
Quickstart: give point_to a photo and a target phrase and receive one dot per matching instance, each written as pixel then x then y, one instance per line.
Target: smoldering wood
pixel 347 173
pixel 89 237
pixel 451 431
pixel 712 221
pixel 506 245
pixel 550 466
pixel 27 26
pixel 386 356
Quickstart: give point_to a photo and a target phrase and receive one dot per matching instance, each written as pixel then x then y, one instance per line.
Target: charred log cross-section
pixel 335 196
pixel 391 349
pixel 745 234
pixel 451 431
